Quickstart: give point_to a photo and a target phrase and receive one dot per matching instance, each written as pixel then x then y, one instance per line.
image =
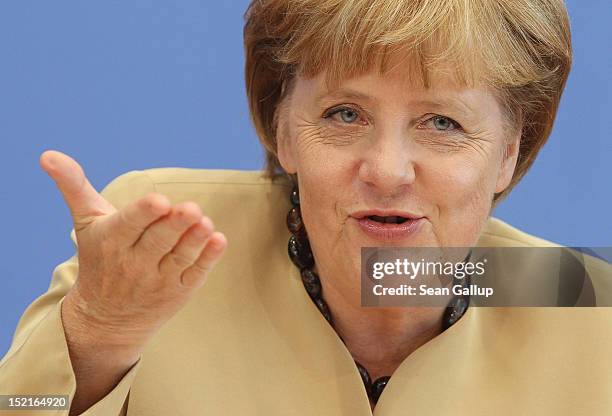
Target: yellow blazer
pixel 251 342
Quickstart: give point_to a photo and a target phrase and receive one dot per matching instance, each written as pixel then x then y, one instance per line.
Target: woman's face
pixel 383 146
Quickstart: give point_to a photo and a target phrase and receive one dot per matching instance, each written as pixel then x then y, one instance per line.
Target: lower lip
pixel 390 231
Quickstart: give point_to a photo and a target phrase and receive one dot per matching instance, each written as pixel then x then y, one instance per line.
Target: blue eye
pixel 347 115
pixel 443 123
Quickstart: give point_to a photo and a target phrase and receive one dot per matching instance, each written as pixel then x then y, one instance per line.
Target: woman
pixel 386 123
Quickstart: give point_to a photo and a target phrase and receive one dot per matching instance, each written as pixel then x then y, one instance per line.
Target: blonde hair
pixel 519 48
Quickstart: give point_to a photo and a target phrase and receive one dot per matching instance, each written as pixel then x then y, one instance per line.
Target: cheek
pixel 461 189
pixel 322 167
pixel 322 175
pixel 326 177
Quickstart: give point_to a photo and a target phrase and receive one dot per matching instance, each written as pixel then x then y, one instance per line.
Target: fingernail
pixel 51 161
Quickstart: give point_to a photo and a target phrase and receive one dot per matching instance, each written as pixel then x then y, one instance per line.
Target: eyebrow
pixel 456 104
pixel 440 103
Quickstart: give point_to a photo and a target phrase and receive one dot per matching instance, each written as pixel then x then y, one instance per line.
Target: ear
pixel 285 143
pixel 508 164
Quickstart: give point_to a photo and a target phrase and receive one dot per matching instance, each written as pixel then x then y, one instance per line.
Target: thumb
pixel 82 198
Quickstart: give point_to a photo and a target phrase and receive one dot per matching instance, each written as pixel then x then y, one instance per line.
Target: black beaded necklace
pixel 301 255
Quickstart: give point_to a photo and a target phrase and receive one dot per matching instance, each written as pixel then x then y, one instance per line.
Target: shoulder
pixel 596 268
pixel 498 233
pixel 170 177
pixel 180 184
pixel 179 176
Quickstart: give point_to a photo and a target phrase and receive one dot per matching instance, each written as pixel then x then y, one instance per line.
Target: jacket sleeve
pixel 37 362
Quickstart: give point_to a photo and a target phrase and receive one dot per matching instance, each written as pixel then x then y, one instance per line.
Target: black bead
pixel 302 236
pixel 300 253
pixel 324 309
pixel 312 283
pixel 365 377
pixel 295 197
pixel 378 386
pixel 455 310
pixel 294 220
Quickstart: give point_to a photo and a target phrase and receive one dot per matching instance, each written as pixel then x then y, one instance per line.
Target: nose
pixel 388 165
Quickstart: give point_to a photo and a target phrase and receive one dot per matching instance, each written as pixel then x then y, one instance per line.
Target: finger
pixel 80 196
pixel 195 275
pixel 128 224
pixel 161 236
pixel 187 250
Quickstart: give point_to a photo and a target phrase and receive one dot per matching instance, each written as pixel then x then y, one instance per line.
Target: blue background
pixel 132 85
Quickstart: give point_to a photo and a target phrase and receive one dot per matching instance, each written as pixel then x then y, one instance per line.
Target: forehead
pixel 407 73
pixel 401 84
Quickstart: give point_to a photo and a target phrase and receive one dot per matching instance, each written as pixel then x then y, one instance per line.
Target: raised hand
pixel 137 266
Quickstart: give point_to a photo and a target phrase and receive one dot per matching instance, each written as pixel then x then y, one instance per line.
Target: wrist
pixel 99 342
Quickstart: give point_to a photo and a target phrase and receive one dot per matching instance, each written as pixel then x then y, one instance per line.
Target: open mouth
pixel 388 220
pixel 389 228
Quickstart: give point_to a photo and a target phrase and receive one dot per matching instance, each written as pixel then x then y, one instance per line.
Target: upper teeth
pixel 390 219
